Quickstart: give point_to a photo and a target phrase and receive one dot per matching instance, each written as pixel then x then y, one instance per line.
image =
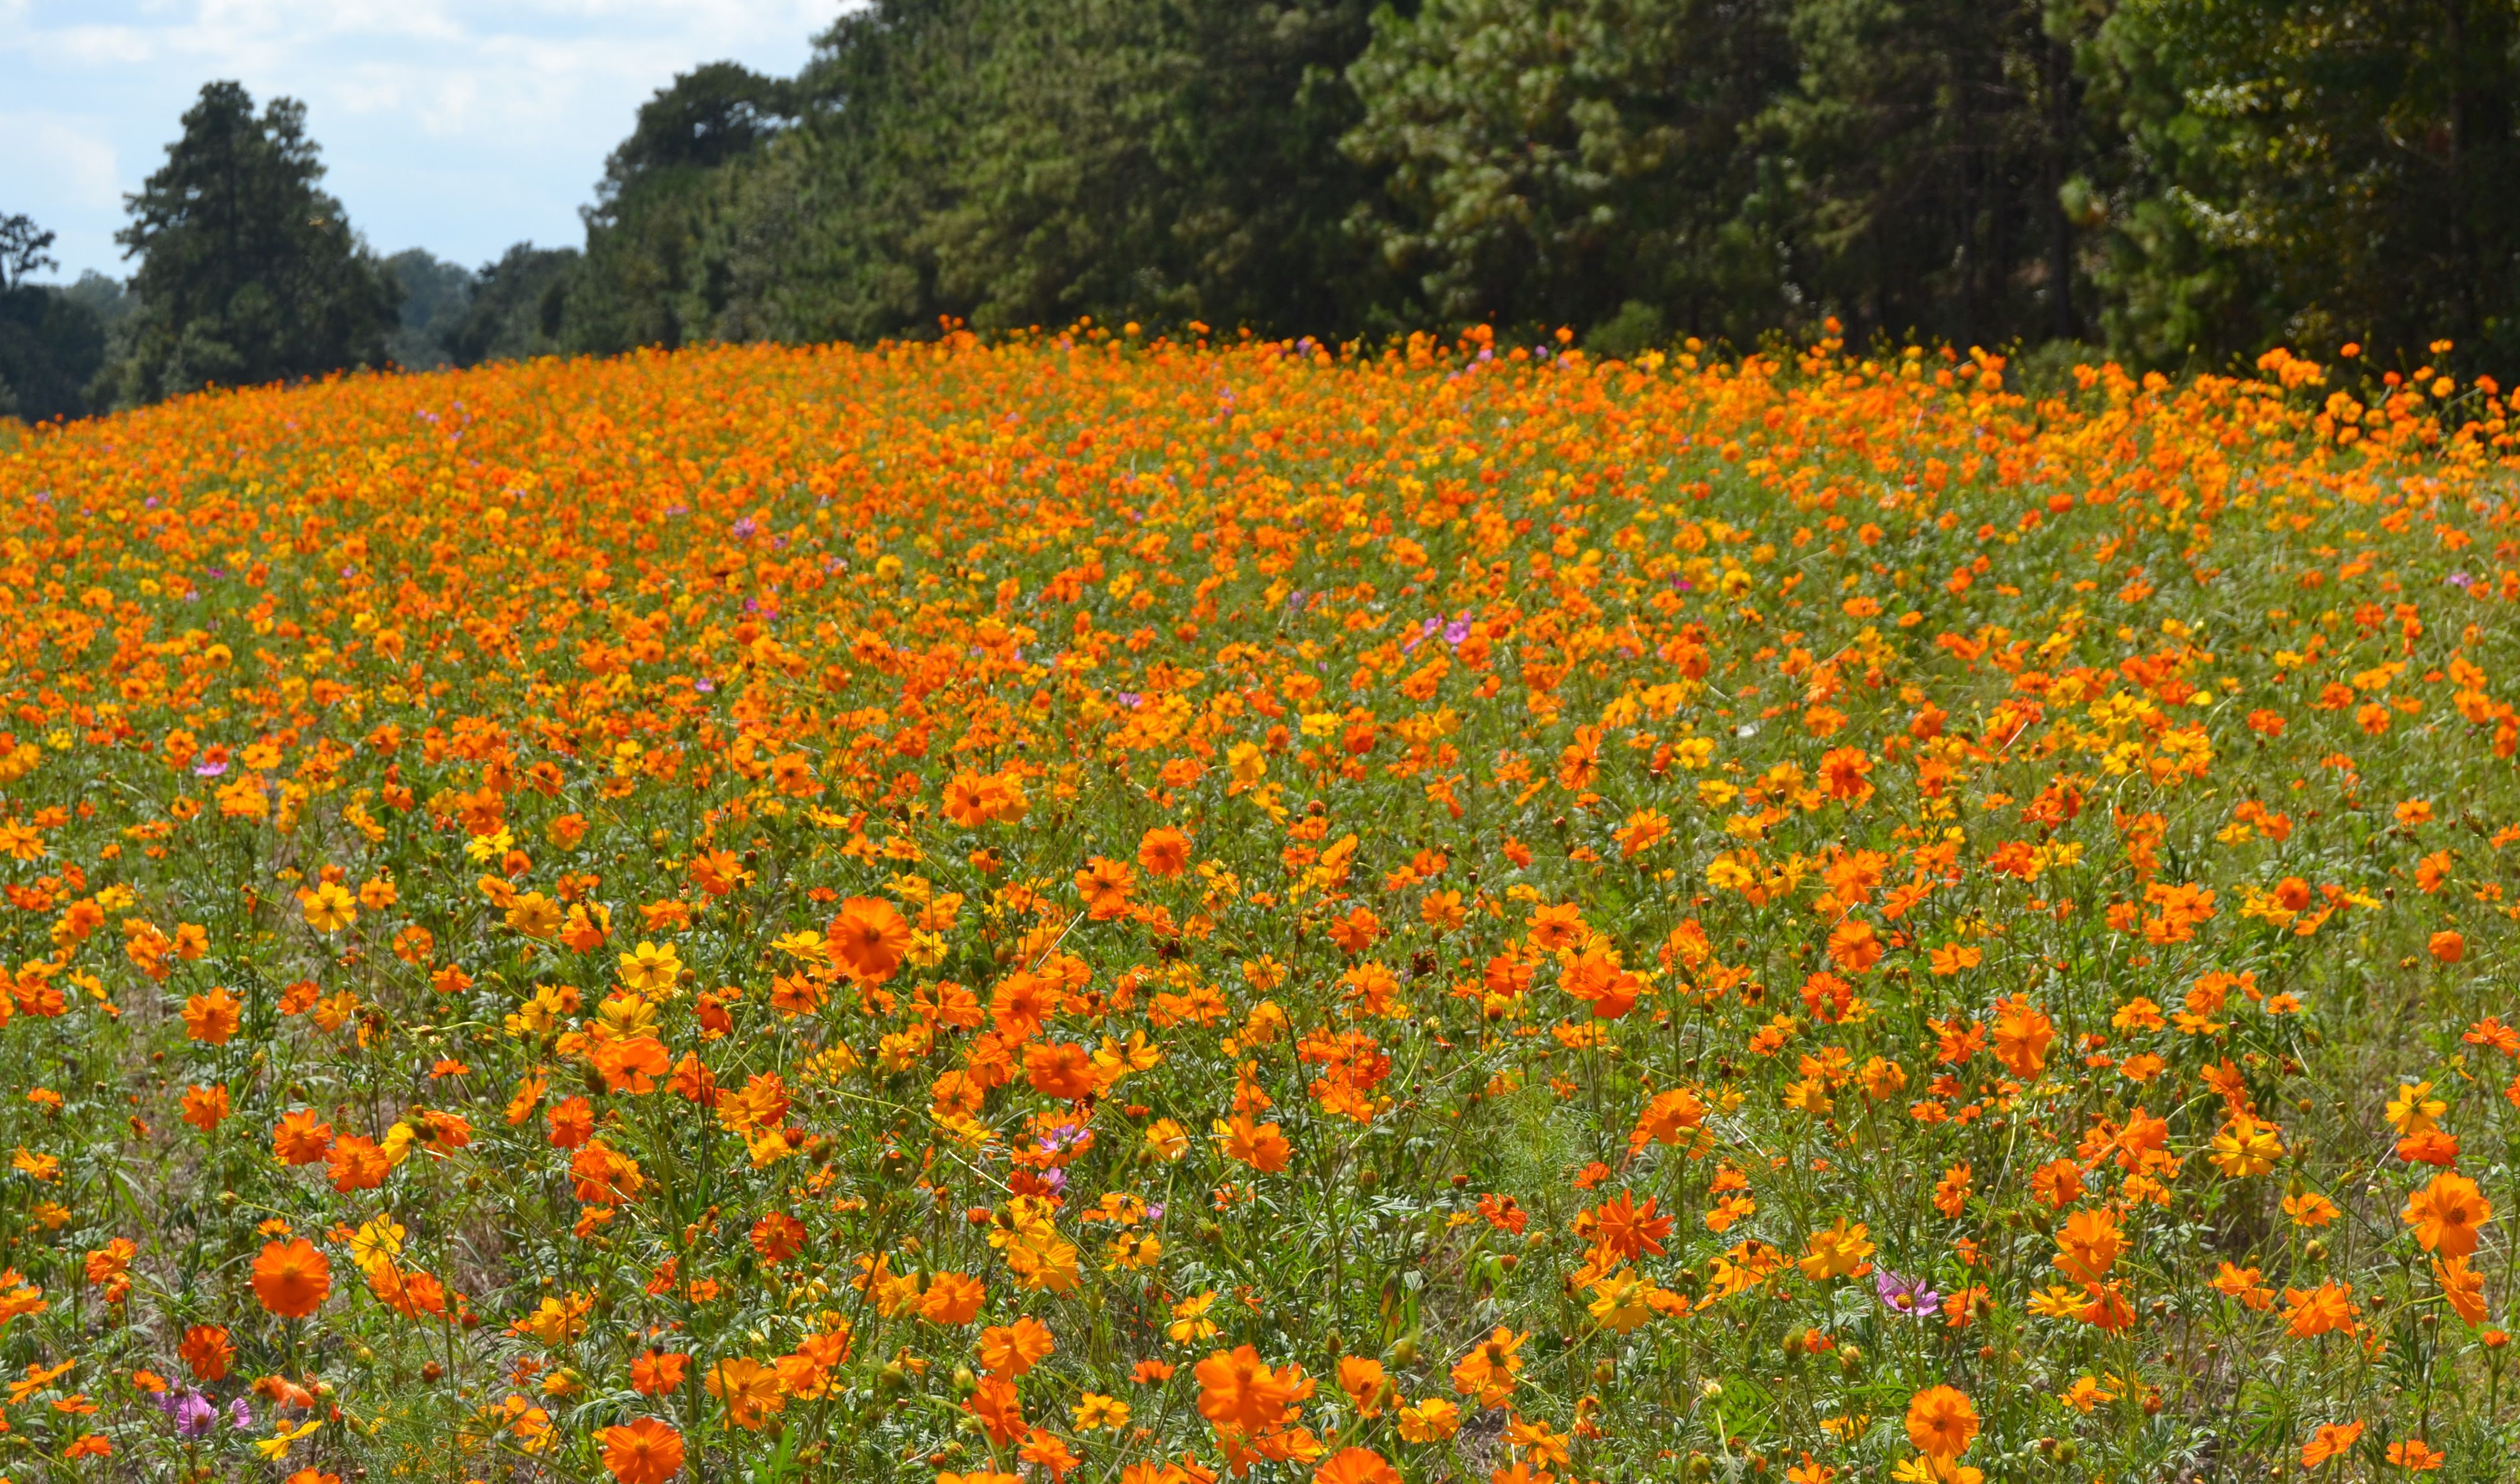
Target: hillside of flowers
pixel 1117 910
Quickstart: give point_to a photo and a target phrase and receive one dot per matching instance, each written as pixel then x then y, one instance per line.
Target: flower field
pixel 1091 910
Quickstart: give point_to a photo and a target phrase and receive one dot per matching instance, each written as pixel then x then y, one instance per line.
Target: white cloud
pixel 458 125
pixel 66 154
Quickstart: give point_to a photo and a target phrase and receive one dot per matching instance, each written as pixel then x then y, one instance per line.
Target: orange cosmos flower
pixel 2447 1214
pixel 2313 1312
pixel 2416 1455
pixel 292 1279
pixel 952 1298
pixel 1941 1421
pixel 205 1348
pixel 1240 1395
pixel 1853 946
pixel 2461 1287
pixel 1492 1368
pixel 642 1451
pixel 1011 1350
pixel 749 1389
pixel 205 1107
pixel 868 939
pixel 1263 1146
pixel 212 1019
pixel 1000 1410
pixel 2021 1037
pixel 1163 852
pixel 659 1373
pixel 2332 1440
pixel 1356 1465
pixel 1106 886
pixel 1060 1069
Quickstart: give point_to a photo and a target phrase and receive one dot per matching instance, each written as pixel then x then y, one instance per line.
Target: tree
pixel 21 249
pixel 248 271
pixel 649 277
pixel 435 297
pixel 1559 161
pixel 1013 162
pixel 2312 173
pixel 1927 147
pixel 518 308
pixel 51 344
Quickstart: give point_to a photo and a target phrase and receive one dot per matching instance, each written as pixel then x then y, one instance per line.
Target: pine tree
pixel 248 271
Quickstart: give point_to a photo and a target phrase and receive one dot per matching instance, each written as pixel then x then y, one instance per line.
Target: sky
pixel 462 126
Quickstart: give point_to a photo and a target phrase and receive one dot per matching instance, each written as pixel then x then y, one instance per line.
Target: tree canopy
pixel 248 271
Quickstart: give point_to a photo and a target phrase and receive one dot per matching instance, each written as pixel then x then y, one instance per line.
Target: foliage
pixel 1555 163
pixel 1012 163
pixel 51 346
pixel 518 306
pixel 248 272
pixel 437 297
pixel 1087 907
pixel 2316 173
pixel 647 277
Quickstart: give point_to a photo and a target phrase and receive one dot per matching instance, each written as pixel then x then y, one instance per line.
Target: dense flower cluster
pixel 1150 912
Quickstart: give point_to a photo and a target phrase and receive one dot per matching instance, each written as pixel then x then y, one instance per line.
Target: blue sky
pixel 456 125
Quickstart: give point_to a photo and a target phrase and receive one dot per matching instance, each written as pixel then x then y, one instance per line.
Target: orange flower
pixel 1365 1382
pixel 1163 852
pixel 2448 947
pixel 2447 1214
pixel 1595 977
pixel 952 1298
pixel 2313 1312
pixel 1011 1350
pixel 2332 1440
pixel 1240 1395
pixel 2022 1035
pixel 642 1451
pixel 205 1107
pixel 1492 1369
pixel 292 1278
pixel 1941 1421
pixel 659 1373
pixel 868 939
pixel 357 1164
pixel 301 1137
pixel 1061 1070
pixel 1356 1465
pixel 1000 1410
pixel 1262 1146
pixel 749 1389
pixel 1106 886
pixel 2416 1455
pixel 778 1236
pixel 212 1019
pixel 205 1348
pixel 2462 1287
pixel 1623 1230
pixel 1853 946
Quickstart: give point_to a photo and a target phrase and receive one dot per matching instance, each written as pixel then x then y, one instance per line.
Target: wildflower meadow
pixel 1109 909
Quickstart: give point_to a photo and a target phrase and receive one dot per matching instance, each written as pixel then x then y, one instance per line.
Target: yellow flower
pixel 276 1446
pixel 650 970
pixel 1838 1252
pixel 2246 1146
pixel 329 906
pixel 1095 1409
pixel 1429 1422
pixel 2414 1109
pixel 1191 1323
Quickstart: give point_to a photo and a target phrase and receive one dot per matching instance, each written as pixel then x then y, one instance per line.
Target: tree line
pixel 2172 182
